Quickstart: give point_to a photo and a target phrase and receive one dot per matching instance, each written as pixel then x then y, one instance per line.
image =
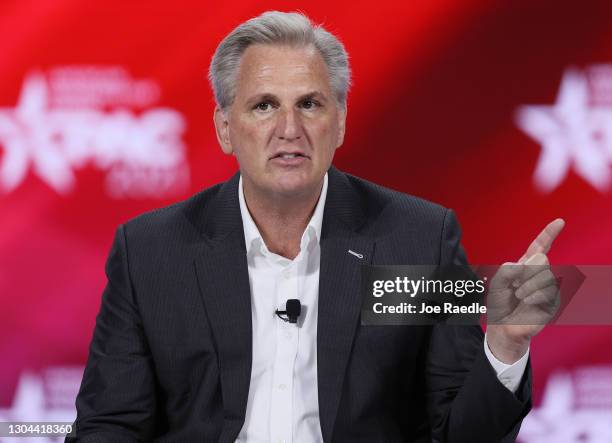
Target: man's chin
pixel 295 186
pixel 293 189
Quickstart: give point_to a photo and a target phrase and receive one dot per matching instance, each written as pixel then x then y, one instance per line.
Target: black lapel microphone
pixel 293 309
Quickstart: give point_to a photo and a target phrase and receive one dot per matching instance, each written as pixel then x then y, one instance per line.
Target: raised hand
pixel 522 298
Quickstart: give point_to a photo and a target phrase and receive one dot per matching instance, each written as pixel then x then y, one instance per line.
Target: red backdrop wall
pixel 438 109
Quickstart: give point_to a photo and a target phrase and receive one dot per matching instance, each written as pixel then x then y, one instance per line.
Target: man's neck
pixel 281 220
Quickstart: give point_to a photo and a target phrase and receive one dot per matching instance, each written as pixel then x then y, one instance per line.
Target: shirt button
pixel 282 387
pixel 287 274
pixel 287 334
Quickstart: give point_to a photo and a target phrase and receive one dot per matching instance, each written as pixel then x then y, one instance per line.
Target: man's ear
pixel 222 129
pixel 341 126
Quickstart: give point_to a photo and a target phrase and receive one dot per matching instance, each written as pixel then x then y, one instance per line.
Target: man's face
pixel 284 124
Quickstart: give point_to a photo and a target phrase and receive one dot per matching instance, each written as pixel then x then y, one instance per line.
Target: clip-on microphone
pixel 293 309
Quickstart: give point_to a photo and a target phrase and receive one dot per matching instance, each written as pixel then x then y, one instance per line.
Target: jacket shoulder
pixel 183 217
pixel 381 203
pixel 407 229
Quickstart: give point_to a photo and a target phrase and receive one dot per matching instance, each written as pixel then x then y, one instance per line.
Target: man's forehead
pixel 269 70
pixel 265 62
pixel 261 50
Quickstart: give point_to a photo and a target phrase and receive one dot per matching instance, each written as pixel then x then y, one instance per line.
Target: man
pixel 188 346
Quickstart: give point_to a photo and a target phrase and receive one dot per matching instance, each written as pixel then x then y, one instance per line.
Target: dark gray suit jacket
pixel 170 358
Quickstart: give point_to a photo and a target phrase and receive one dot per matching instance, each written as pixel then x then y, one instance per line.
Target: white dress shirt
pixel 283 402
pixel 283 398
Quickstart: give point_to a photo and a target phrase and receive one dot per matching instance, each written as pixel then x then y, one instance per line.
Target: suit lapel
pixel 339 293
pixel 222 273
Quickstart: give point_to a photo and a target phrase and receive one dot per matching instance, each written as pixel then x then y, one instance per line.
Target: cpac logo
pixel 75 117
pixel 574 132
pixel 576 407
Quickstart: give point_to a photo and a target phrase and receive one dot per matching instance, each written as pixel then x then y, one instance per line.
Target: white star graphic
pixel 142 154
pixel 571 133
pixel 29 137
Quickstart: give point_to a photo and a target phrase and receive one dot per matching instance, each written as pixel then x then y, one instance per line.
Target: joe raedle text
pixel 425 308
pixel 421 295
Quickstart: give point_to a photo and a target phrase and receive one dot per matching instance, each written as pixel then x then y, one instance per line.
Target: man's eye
pixel 263 106
pixel 309 104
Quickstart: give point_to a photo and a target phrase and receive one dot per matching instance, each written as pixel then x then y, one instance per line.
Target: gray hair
pixel 274 27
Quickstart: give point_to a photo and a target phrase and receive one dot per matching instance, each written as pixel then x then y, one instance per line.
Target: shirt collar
pixel 252 235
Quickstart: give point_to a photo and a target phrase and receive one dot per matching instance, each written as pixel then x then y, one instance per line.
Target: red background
pixel 431 113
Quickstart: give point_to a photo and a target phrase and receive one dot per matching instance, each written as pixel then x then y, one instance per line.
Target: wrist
pixel 506 347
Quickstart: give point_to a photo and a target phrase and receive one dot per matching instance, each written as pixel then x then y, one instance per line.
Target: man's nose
pixel 288 126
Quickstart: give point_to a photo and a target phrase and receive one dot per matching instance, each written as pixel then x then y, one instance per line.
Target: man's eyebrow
pixel 268 97
pixel 265 97
pixel 313 94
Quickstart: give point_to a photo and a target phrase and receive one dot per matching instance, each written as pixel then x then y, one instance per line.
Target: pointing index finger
pixel 544 240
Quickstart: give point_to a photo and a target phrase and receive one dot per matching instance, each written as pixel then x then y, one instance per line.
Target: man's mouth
pixel 287 159
pixel 289 155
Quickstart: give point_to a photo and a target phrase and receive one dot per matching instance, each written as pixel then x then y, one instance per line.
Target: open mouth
pixel 289 156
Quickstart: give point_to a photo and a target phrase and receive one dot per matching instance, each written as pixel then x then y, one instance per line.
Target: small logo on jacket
pixel 356 254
